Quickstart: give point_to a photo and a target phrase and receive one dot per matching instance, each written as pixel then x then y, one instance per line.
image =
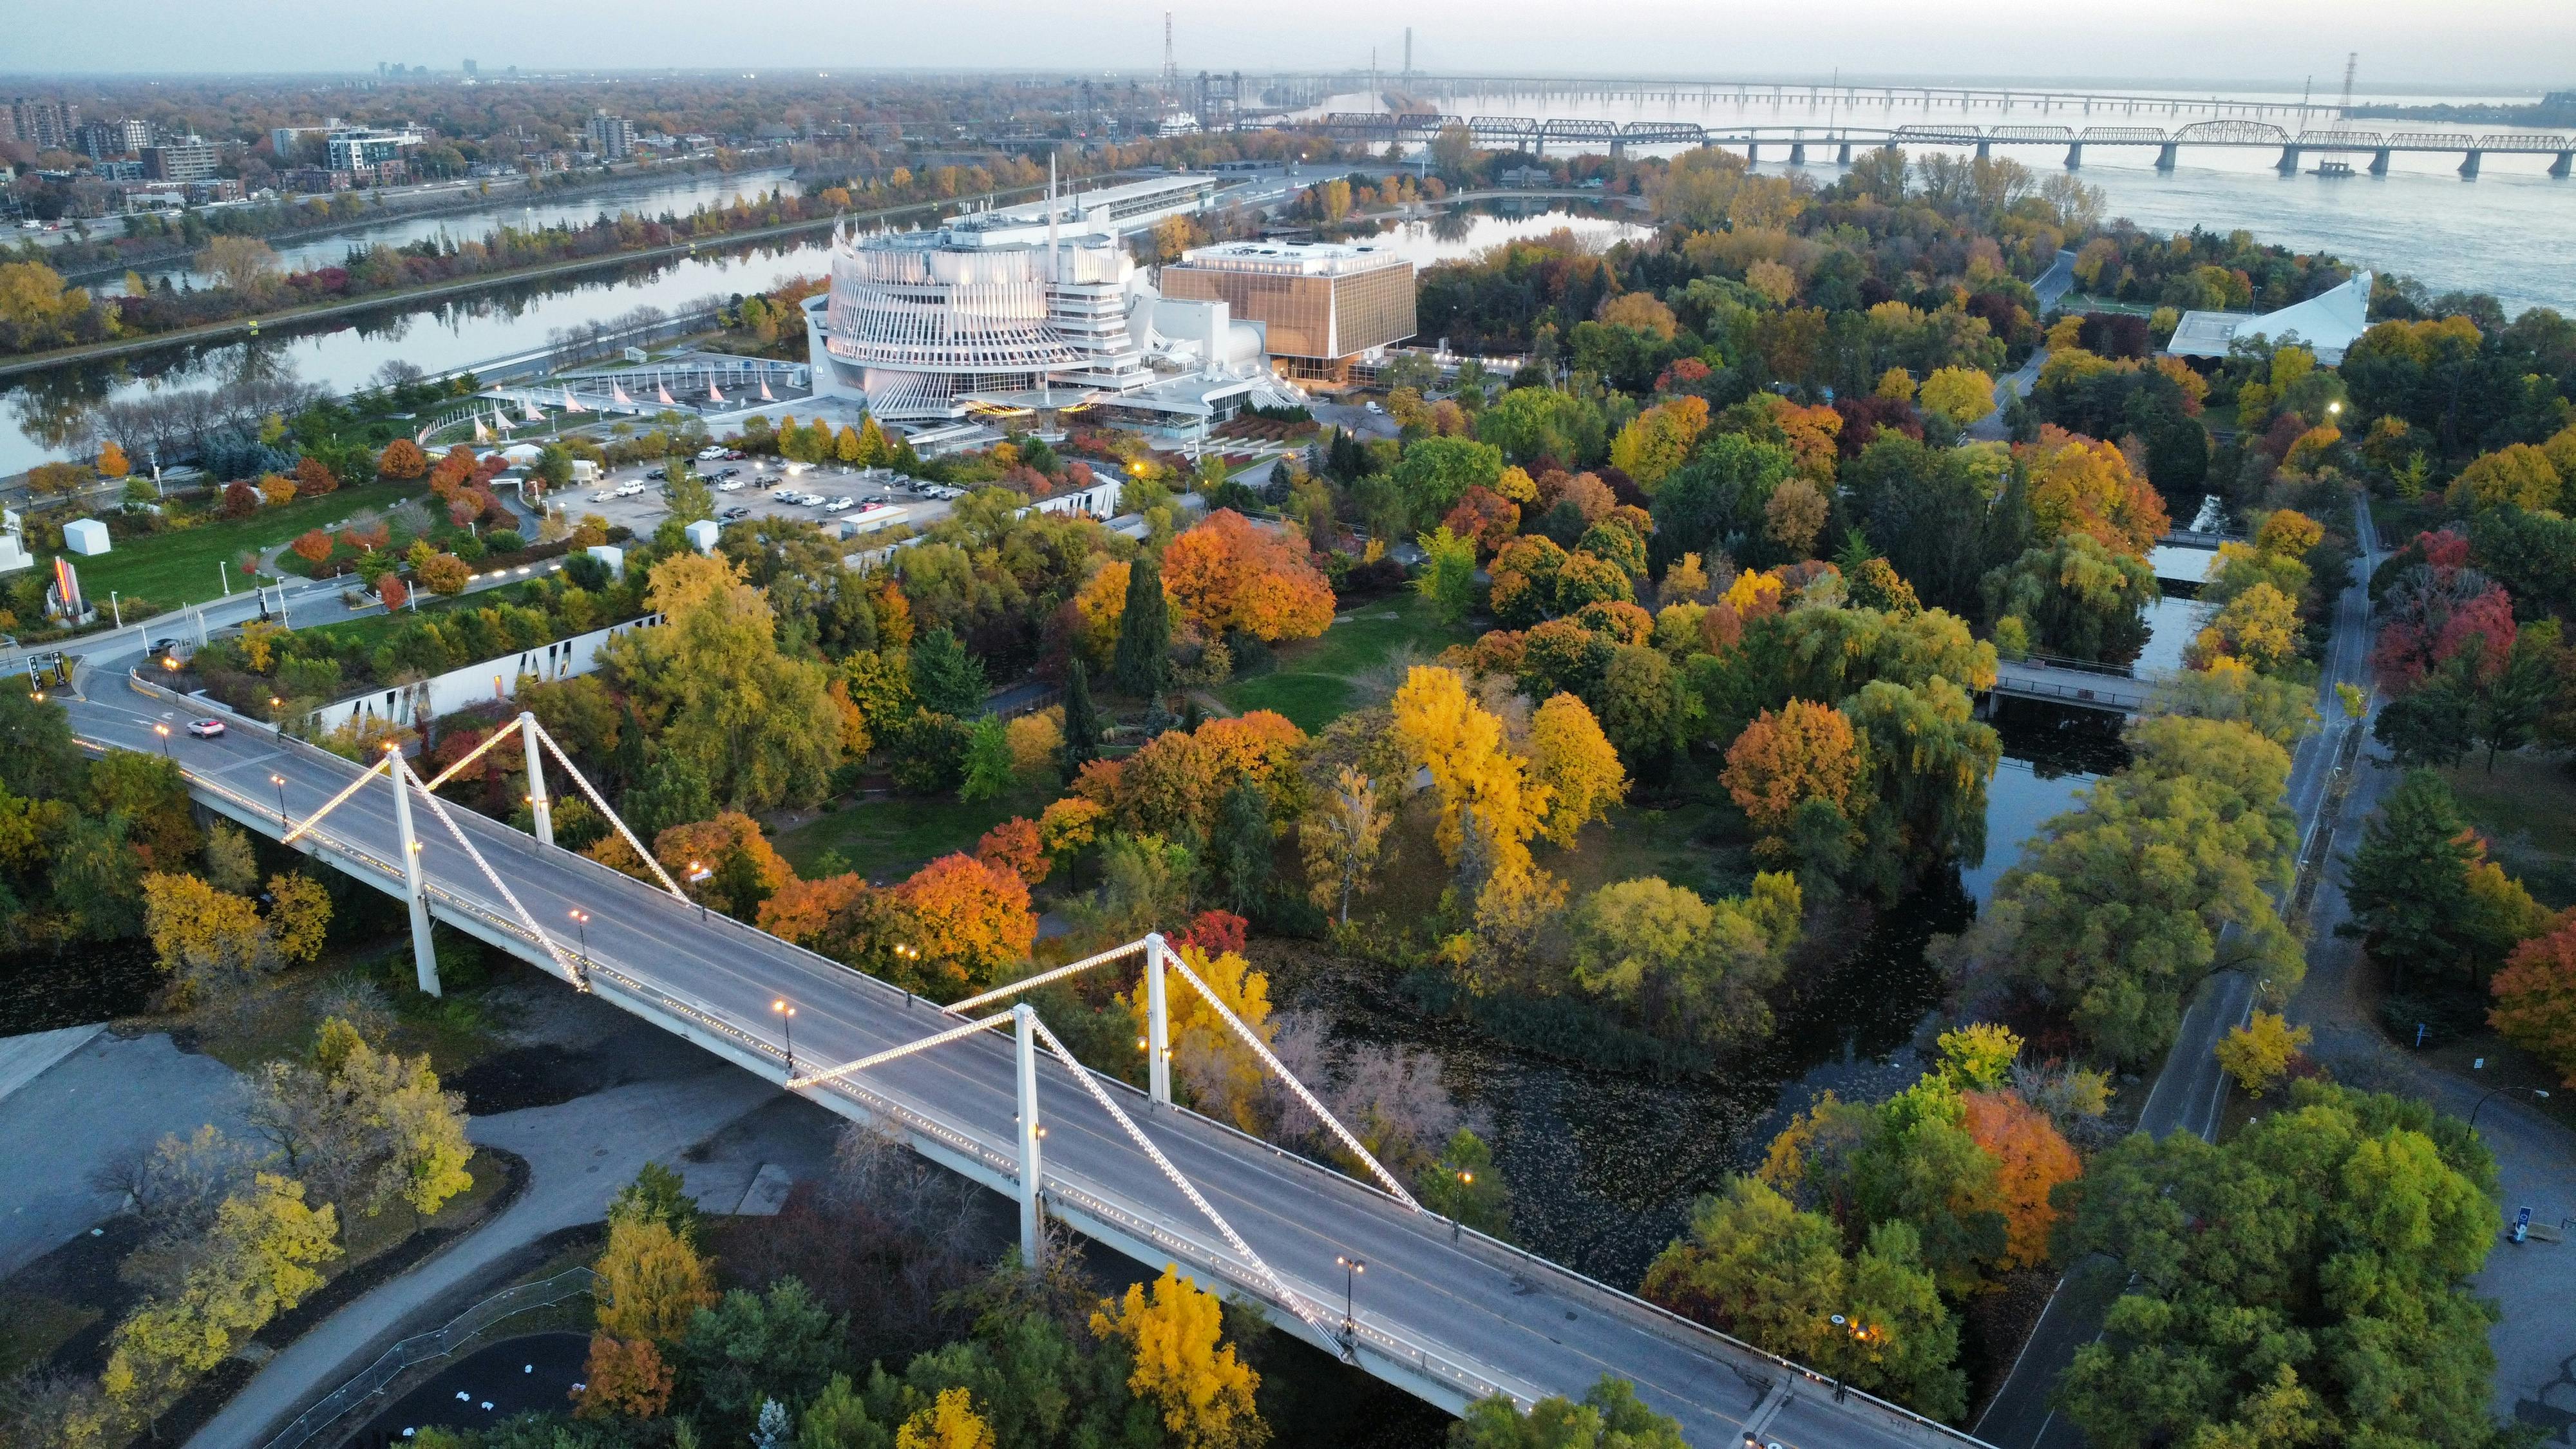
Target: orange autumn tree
pixel 2030 1159
pixel 1231 575
pixel 402 460
pixel 1013 846
pixel 973 921
pixel 1484 518
pixel 802 910
pixel 625 1376
pixel 2536 996
pixel 709 843
pixel 312 545
pixel 2080 485
pixel 1803 751
pixel 1177 780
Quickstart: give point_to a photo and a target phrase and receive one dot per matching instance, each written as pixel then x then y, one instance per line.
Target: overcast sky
pixel 2497 44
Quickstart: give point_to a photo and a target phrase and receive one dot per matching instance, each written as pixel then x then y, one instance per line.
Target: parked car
pixel 730 514
pixel 841 504
pixel 205 729
pixel 706 455
pixel 630 488
pixel 730 485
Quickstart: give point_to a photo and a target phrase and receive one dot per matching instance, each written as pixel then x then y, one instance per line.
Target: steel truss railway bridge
pixel 984 1088
pixel 1535 136
pixel 1312 89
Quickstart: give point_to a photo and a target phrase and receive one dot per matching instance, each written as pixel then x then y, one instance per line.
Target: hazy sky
pixel 2500 44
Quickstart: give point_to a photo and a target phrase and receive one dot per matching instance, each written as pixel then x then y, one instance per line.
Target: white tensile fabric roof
pixel 2326 323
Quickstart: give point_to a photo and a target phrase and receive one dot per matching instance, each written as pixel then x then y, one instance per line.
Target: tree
pixel 258 1262
pixel 657 1196
pixel 749 1350
pixel 1466 1187
pixel 1232 576
pixel 367 1128
pixel 1576 762
pixel 990 770
pixel 313 479
pixel 2305 1283
pixel 1340 838
pixel 1448 577
pixel 2259 626
pixel 949 1421
pixel 1609 1417
pixel 624 1376
pixel 1793 516
pixel 973 920
pixel 1202 1390
pixel 1804 751
pixel 2076 595
pixel 2408 883
pixel 2536 996
pixel 1962 394
pixel 1143 663
pixel 402 460
pixel 1658 440
pixel 2517 474
pixel 112 462
pixel 651 1283
pixel 205 938
pixel 2031 1159
pixel 313 546
pixel 1688 968
pixel 2081 486
pixel 1081 722
pixel 445 574
pixel 2258 1054
pixel 1484 789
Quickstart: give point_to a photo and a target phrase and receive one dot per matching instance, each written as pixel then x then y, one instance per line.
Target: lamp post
pixel 280 782
pixel 581 923
pixel 164 732
pixel 697 873
pixel 2492 1091
pixel 1352 1268
pixel 787 1029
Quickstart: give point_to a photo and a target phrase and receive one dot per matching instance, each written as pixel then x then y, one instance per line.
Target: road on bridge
pixel 1443 1313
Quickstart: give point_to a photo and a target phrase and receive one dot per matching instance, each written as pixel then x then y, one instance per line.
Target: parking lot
pixel 852 500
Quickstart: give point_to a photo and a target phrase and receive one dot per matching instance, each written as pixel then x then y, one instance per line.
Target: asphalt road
pixel 1523 1323
pixel 2190 1091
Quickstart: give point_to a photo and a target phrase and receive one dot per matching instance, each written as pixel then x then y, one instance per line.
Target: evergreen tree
pixel 1144 633
pixel 1238 853
pixel 673 791
pixel 2409 883
pixel 1081 722
pixel 945 678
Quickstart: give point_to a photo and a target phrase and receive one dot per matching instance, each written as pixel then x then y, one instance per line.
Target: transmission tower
pixel 1171 66
pixel 2351 63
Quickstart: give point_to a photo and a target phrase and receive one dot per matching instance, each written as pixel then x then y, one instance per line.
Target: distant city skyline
pixel 2493 46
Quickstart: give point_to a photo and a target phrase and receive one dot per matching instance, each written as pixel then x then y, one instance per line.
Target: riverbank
pixel 247 327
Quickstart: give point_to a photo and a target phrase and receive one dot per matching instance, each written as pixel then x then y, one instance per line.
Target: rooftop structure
pixel 2325 324
pixel 1323 304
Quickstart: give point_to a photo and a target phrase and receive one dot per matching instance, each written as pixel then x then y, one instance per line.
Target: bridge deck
pixel 1446 1315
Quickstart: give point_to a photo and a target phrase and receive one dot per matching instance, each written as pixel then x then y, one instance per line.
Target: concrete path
pixel 25 1058
pixel 121 1095
pixel 579 1154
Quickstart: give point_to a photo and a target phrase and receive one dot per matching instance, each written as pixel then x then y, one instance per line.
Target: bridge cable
pixel 1295 1301
pixel 632 843
pixel 438 808
pixel 335 801
pixel 443 776
pixel 814 1079
pixel 1044 978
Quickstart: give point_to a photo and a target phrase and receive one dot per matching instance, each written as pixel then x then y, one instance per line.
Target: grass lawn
pixel 175 569
pixel 887 839
pixel 1317 680
pixel 2527 811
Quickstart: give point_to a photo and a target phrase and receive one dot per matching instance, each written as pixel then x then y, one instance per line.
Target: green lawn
pixel 887 839
pixel 2527 811
pixel 175 569
pixel 1316 680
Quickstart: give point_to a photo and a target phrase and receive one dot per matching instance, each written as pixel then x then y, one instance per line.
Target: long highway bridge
pixel 1441 1311
pixel 1528 133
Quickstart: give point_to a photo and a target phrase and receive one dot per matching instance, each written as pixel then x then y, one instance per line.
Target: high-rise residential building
pixel 190 160
pixel 100 140
pixel 471 71
pixel 352 147
pixel 612 138
pixel 45 125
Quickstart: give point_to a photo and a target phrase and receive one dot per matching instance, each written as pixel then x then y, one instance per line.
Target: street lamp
pixel 1352 1268
pixel 2492 1091
pixel 164 732
pixel 696 874
pixel 280 782
pixel 787 1029
pixel 581 923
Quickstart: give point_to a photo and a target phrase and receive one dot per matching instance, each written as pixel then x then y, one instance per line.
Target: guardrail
pixel 423 1347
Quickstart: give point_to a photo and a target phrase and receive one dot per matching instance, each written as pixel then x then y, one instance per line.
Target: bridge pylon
pixel 538 810
pixel 1032 1173
pixel 1158 1025
pixel 424 952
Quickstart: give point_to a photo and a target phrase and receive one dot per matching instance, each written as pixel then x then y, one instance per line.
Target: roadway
pixel 2190 1092
pixel 1442 1313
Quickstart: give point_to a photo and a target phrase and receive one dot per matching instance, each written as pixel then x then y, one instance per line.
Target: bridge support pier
pixel 1797 153
pixel 2165 156
pixel 1032 1226
pixel 1752 153
pixel 1985 149
pixel 540 812
pixel 1842 156
pixel 1158 1025
pixel 2469 166
pixel 2566 162
pixel 2074 155
pixel 2379 162
pixel 424 952
pixel 2289 162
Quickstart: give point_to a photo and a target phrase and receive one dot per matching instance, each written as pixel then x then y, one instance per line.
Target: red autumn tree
pixel 2030 1158
pixel 393 591
pixel 312 480
pixel 973 920
pixel 1013 846
pixel 1232 575
pixel 1214 933
pixel 239 500
pixel 2536 996
pixel 1485 518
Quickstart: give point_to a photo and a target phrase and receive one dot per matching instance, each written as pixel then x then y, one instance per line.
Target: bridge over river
pixel 1799 142
pixel 1444 1313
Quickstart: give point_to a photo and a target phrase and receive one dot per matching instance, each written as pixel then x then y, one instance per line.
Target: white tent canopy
pixel 2326 324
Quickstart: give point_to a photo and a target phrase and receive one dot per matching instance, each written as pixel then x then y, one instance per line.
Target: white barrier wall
pixel 411 705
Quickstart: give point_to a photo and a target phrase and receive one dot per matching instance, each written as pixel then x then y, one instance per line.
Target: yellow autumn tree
pixel 947 1422
pixel 2258 1054
pixel 1964 395
pixel 1183 1367
pixel 1220 1069
pixel 1577 764
pixel 2259 626
pixel 1439 726
pixel 651 1282
pixel 1656 441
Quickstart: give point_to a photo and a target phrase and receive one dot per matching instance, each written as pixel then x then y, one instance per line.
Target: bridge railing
pixel 423 1347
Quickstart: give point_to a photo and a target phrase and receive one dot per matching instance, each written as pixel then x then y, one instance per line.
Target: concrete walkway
pixel 98 1100
pixel 25 1058
pixel 579 1154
